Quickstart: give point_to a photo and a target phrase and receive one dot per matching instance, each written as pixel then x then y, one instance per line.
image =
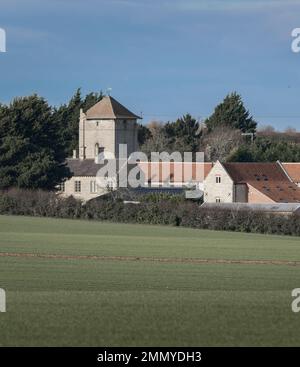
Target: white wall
pixel 100 132
pixel 223 190
pixel 85 193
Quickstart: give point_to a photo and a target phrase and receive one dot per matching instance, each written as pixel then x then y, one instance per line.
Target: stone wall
pixel 223 191
pixel 86 185
pixel 101 132
pixel 107 134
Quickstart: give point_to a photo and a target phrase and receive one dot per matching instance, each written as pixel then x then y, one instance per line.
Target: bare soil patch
pixel 151 259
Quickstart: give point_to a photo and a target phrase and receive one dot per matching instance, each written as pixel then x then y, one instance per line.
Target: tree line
pixel 229 134
pixel 36 138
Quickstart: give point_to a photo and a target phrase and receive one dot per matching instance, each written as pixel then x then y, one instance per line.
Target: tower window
pixel 98 150
pixel 218 179
pixel 218 200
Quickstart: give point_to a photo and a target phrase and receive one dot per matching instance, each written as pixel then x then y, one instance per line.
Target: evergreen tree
pixel 67 118
pixel 233 113
pixel 144 134
pixel 31 154
pixel 183 134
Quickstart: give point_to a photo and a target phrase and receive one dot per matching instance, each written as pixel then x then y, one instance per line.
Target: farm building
pixel 175 174
pixel 102 129
pixel 254 183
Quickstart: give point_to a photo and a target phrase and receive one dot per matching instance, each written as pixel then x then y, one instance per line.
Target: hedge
pixel 168 212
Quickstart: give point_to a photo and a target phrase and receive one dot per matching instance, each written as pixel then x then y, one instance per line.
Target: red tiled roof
pixel 175 171
pixel 293 170
pixel 268 178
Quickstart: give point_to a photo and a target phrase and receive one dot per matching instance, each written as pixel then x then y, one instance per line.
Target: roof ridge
pixel 111 105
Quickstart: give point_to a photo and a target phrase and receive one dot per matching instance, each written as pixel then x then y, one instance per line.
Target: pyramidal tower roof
pixel 109 108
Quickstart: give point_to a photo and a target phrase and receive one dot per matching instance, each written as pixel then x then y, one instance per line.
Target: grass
pixel 72 302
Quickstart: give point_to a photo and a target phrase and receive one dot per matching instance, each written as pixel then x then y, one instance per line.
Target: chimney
pixel 74 154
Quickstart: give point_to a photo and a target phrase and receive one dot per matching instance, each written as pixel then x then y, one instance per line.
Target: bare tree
pixel 221 142
pixel 291 131
pixel 158 141
pixel 155 126
pixel 266 130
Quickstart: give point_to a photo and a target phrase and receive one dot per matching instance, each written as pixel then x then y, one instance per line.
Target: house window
pixel 93 187
pixel 110 183
pixel 218 179
pixel 77 186
pixel 218 200
pixel 61 187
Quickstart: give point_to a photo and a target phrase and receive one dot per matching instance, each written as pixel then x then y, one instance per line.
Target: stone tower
pixel 104 126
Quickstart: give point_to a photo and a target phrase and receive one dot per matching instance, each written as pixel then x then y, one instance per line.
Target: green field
pixel 124 285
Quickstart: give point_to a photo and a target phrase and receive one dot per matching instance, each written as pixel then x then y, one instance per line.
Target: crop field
pixel 83 283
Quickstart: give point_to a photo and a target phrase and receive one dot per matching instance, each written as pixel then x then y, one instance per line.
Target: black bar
pixel 198 356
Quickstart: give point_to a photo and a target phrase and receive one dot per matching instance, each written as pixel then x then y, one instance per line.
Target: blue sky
pixel 161 57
